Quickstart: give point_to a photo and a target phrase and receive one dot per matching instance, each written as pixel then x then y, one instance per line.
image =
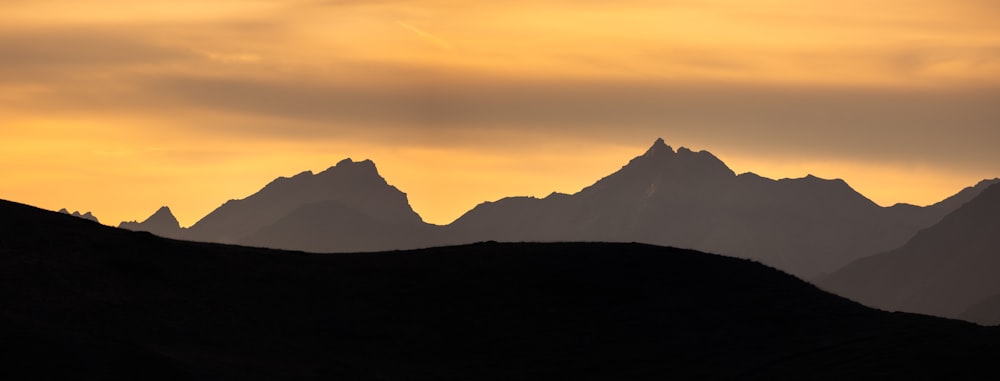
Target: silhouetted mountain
pixel 944 270
pixel 162 223
pixel 86 216
pixel 347 207
pixel 328 226
pixel 952 203
pixel 86 301
pixel 808 226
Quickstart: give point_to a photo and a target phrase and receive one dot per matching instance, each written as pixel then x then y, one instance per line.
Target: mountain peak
pixel 348 163
pixel 162 223
pixel 163 214
pixel 284 205
pixel 659 147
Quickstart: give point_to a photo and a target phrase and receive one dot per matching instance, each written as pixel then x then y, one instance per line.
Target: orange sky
pixel 119 107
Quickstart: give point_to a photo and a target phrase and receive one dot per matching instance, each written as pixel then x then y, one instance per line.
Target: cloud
pixel 946 125
pixel 230 57
pixel 79 50
pixel 775 77
pixel 441 43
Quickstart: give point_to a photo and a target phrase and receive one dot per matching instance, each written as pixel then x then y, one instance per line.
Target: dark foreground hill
pixel 85 301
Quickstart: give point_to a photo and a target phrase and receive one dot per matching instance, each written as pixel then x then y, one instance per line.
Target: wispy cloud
pixel 230 57
pixel 441 43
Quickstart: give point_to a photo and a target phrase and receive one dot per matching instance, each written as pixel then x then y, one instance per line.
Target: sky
pixel 119 107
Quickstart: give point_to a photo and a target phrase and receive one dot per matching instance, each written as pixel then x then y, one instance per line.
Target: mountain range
pixel 949 269
pixel 87 301
pixel 86 216
pixel 808 227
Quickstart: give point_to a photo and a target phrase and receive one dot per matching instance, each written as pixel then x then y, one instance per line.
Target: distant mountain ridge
pixel 808 226
pixel 949 269
pixel 86 216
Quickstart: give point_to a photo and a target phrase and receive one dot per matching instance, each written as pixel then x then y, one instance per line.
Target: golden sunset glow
pixel 119 107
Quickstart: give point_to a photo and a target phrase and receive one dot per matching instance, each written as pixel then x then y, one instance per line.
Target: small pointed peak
pixel 162 216
pixel 345 162
pixel 164 210
pixel 659 147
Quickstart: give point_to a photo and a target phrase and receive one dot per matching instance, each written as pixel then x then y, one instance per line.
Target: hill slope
pixel 86 301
